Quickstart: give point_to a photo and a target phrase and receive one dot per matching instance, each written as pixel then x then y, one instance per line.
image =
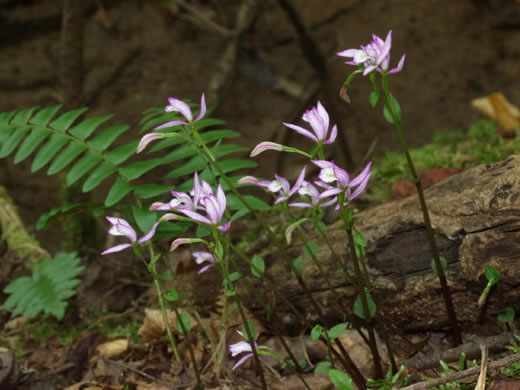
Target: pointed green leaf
pixel 258 266
pixel 144 218
pixel 207 137
pixel 207 122
pixel 85 128
pixel 234 164
pixel 65 121
pixel 179 153
pixel 84 164
pixel 22 117
pixel 48 151
pixel 340 379
pixel 154 122
pixel 139 168
pixel 44 116
pixel 34 139
pixel 105 138
pixel 192 166
pixel 122 153
pixel 5 117
pixel 233 203
pixel 97 176
pixel 65 157
pixel 117 192
pixel 147 191
pixel 10 144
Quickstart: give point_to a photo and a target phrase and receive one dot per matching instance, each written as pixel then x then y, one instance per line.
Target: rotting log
pixel 19 242
pixel 476 217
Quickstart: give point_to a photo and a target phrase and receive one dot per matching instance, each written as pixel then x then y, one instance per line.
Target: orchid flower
pixel 331 173
pixel 374 56
pixel 178 106
pixel 203 200
pixel 120 227
pixel 311 191
pixel 318 118
pixel 263 146
pixel 181 107
pixel 278 185
pixel 240 347
pixel 204 257
pixel 181 200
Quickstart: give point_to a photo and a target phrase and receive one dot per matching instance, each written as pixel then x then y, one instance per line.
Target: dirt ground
pixel 455 51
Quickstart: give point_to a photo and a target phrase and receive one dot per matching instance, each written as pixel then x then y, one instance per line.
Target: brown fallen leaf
pixel 495 106
pixel 112 348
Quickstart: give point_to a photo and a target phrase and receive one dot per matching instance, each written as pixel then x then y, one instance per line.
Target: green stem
pixel 426 216
pixel 353 370
pixel 161 305
pixel 238 302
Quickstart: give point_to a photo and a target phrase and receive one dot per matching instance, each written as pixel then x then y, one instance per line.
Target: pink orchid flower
pixel 120 227
pixel 318 118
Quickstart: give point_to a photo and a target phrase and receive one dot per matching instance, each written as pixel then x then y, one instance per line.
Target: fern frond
pixel 47 290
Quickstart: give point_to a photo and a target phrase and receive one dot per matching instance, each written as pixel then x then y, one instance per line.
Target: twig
pixel 462 374
pixel 93 95
pixel 471 349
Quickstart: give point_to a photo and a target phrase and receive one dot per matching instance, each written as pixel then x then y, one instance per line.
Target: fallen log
pixel 476 218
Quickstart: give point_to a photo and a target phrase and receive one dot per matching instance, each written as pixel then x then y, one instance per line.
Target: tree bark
pixel 476 217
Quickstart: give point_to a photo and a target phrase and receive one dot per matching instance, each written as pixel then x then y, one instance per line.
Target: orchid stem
pixel 426 216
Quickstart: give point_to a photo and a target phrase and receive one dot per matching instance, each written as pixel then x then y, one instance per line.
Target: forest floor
pixel 137 53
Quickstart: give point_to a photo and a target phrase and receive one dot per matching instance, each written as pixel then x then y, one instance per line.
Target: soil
pixel 455 51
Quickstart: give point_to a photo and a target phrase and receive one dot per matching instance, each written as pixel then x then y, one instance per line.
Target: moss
pixel 480 144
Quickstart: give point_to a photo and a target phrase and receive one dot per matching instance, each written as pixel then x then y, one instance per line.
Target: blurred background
pixel 260 63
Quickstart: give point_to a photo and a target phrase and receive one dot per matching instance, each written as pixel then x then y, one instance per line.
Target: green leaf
pixel 298 265
pixel 396 108
pixel 105 138
pixel 146 191
pixel 508 315
pixel 234 276
pixel 65 120
pixel 65 157
pixel 118 191
pixel 44 116
pixel 22 117
pixel 46 218
pixel 340 379
pixel 316 332
pixel 5 117
pixel 172 295
pixel 34 139
pixel 144 218
pixel 358 307
pixel 122 153
pixel 10 144
pixel 234 203
pixel 207 122
pixel 234 164
pixel 84 164
pixel 184 320
pixel 47 290
pixel 444 265
pixel 374 98
pixel 179 153
pixel 359 244
pixel 139 168
pixel 314 249
pixel 193 165
pixel 252 329
pixel 48 151
pixel 492 274
pixel 219 250
pixel 103 171
pixel 322 368
pixel 86 127
pixel 258 267
pixel 336 331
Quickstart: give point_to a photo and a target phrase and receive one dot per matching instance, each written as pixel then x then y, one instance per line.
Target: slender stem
pixel 351 367
pixel 344 357
pixel 222 267
pixel 426 216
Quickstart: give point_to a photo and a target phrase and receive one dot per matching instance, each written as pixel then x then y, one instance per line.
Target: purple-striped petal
pixel 179 106
pixel 196 216
pixel 202 108
pixel 263 146
pixel 117 248
pixel 150 234
pixel 171 124
pixel 147 139
pixel 302 131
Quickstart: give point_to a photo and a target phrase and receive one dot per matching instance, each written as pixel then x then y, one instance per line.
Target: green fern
pixel 85 150
pixel 52 283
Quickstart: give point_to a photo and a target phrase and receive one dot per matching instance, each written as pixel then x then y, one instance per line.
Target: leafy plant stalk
pixel 390 106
